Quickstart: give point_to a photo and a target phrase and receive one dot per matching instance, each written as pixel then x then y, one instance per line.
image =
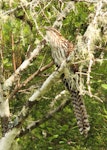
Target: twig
pixel 93 96
pixel 17 88
pixel 9 82
pixel 49 81
pixel 88 77
pixel 42 10
pixel 69 6
pixel 58 97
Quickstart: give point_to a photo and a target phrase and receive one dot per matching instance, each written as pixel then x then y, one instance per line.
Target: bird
pixel 61 49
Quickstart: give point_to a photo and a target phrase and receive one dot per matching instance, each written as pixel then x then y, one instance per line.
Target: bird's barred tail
pixel 79 107
pixel 80 113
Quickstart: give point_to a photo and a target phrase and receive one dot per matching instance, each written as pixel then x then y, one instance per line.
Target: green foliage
pixel 62 132
pixel 104 86
pixel 76 22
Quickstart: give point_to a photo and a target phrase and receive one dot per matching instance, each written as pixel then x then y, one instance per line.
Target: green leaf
pixel 104 86
pixel 61 142
pixel 55 136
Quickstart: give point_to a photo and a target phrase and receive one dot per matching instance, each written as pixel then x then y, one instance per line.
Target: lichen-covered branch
pixel 83 54
pixel 45 118
pixel 69 6
pixel 17 88
pixel 37 94
pixel 9 82
pixel 49 81
pixel 7 141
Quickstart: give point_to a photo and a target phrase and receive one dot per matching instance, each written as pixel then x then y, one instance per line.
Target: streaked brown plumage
pixel 60 49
